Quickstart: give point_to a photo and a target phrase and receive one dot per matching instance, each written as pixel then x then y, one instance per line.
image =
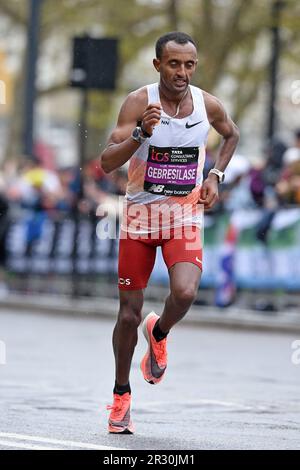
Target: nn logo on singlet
pixel 165 122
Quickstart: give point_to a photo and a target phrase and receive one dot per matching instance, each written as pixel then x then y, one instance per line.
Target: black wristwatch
pixel 138 135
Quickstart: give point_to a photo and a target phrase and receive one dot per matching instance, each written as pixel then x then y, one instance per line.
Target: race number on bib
pixel 171 171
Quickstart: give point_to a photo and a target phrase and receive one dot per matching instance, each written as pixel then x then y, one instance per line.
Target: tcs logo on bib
pixel 159 156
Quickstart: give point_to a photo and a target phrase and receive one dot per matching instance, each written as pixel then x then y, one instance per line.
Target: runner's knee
pixel 130 314
pixel 184 295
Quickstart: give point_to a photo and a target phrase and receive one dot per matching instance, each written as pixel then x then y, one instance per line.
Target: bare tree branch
pixel 13 13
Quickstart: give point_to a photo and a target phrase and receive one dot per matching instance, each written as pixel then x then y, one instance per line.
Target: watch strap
pixel 145 133
pixel 218 173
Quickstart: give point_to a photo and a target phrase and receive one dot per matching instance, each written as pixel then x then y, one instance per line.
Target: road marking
pixel 83 445
pixel 195 403
pixel 21 445
pixel 223 403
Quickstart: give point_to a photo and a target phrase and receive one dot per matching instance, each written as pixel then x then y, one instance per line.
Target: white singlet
pixel 166 172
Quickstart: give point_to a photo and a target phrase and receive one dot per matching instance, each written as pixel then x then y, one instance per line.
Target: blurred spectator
pixel 69 178
pixel 288 187
pixel 3 231
pixel 236 190
pixel 35 187
pixel 101 188
pixel 274 152
pixel 209 162
pixel 3 226
pixel 293 153
pixel 257 185
pixel 45 155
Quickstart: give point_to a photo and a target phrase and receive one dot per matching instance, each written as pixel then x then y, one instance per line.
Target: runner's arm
pixel 220 121
pixel 121 145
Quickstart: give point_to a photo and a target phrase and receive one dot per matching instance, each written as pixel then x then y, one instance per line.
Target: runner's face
pixel 176 66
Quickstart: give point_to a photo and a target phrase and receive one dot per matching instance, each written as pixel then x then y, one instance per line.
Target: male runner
pixel 162 129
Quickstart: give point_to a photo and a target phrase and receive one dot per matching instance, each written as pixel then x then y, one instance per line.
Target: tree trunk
pixel 173 15
pixel 14 147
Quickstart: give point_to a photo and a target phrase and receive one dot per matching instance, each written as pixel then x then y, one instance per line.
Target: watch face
pixel 136 133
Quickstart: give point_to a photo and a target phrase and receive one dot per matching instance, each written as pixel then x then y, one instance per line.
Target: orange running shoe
pixel 119 421
pixel 154 363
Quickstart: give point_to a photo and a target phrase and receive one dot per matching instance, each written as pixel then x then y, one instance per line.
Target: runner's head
pixel 176 60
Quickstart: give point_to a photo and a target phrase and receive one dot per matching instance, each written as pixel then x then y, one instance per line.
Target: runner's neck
pixel 171 97
pixel 177 101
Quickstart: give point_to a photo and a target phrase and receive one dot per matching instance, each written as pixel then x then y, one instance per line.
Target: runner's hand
pixel 209 193
pixel 151 117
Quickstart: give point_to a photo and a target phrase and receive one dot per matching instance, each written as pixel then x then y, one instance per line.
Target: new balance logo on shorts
pixel 125 282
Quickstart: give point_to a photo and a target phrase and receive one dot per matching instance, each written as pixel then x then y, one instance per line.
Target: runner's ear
pixel 156 63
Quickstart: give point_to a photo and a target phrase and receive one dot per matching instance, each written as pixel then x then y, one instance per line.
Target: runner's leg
pixel 125 332
pixel 136 261
pixel 182 253
pixel 184 280
pixel 183 256
pixel 184 283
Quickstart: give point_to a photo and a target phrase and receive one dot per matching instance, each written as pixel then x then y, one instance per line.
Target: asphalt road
pixel 223 389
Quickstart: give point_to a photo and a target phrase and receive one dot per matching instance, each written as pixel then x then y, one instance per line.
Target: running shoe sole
pixel 119 430
pixel 148 361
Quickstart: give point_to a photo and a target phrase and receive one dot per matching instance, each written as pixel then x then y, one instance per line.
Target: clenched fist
pixel 209 193
pixel 151 117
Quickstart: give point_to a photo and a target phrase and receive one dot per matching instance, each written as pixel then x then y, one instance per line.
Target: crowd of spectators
pixel 270 183
pixel 31 189
pixel 28 184
pixel 267 183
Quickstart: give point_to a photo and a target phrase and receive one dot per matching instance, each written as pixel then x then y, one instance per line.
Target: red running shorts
pixel 137 253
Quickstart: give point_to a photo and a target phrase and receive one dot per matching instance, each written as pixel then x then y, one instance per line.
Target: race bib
pixel 171 171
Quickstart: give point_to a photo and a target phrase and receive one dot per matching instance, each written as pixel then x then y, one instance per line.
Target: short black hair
pixel 297 133
pixel 176 36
